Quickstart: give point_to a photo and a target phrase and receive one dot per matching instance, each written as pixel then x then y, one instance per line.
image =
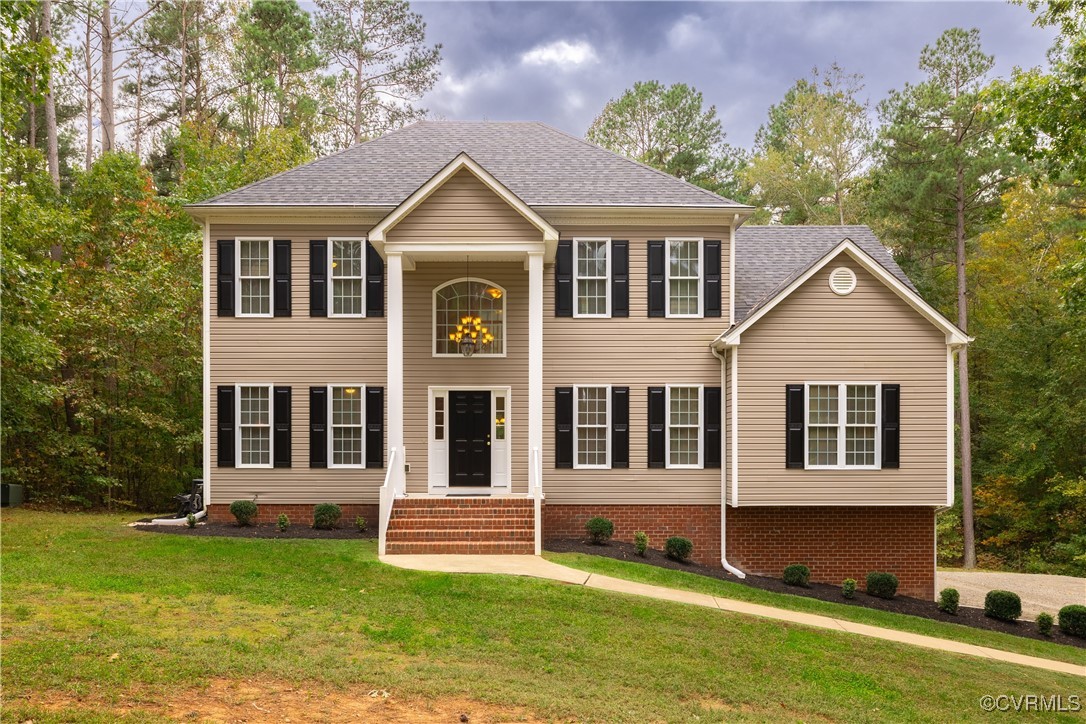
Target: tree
pixel 940 172
pixel 669 128
pixel 387 66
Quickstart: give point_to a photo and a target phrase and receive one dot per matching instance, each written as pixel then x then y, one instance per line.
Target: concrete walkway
pixel 1039 592
pixel 537 567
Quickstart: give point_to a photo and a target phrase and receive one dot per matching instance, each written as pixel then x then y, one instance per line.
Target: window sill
pixel 591 467
pixel 346 316
pixel 239 315
pixel 268 466
pixel 842 467
pixel 684 467
pixel 345 467
pixel 684 316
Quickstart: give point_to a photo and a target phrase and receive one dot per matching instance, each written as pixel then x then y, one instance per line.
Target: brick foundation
pixel 298 514
pixel 699 523
pixel 837 543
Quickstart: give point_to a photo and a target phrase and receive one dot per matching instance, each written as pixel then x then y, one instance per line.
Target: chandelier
pixel 471 334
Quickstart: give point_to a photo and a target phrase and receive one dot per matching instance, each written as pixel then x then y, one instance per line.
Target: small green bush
pixel 190 521
pixel 1044 623
pixel 881 585
pixel 948 601
pixel 282 523
pixel 796 575
pixel 679 548
pixel 1002 605
pixel 599 530
pixel 848 588
pixel 360 523
pixel 1073 620
pixel 244 511
pixel 641 542
pixel 326 515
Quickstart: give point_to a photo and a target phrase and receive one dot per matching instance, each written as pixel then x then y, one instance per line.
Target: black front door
pixel 469 430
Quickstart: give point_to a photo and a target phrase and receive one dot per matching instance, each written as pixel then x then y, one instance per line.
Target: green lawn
pixel 95 610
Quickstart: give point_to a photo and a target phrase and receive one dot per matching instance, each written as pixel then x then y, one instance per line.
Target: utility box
pixel 11 496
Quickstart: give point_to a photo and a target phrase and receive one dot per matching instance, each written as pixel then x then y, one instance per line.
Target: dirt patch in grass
pixel 973 617
pixel 257 530
pixel 230 700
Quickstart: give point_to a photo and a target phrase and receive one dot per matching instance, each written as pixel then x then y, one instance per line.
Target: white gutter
pixel 724 478
pixel 178 521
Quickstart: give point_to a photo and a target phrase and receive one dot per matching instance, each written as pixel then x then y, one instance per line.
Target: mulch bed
pixel 973 617
pixel 257 530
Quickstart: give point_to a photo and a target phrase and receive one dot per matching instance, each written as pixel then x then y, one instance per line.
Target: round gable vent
pixel 842 280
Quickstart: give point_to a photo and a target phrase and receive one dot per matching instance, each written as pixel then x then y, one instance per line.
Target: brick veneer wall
pixel 837 543
pixel 699 523
pixel 298 514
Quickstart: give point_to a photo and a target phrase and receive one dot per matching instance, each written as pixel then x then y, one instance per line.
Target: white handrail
pixel 389 493
pixel 536 483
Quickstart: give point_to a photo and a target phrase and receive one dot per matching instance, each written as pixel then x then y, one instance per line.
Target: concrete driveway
pixel 1039 592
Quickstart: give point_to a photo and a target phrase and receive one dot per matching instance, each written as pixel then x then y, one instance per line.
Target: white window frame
pixel 701 277
pixel 332 425
pixel 238 277
pixel 842 419
pixel 332 277
pixel 701 428
pixel 577 277
pixel 577 427
pixel 238 426
pixel 504 313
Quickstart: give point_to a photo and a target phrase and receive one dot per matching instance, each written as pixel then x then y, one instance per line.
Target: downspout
pixel 724 476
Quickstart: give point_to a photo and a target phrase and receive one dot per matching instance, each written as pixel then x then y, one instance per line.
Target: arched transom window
pixel 469 308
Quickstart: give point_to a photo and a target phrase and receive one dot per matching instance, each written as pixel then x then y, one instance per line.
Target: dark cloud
pixel 560 62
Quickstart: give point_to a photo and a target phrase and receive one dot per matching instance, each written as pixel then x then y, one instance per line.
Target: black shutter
pixel 375 427
pixel 620 278
pixel 657 427
pixel 225 415
pixel 891 426
pixel 375 283
pixel 281 277
pixel 281 427
pixel 563 427
pixel 657 285
pixel 620 427
pixel 318 427
pixel 563 279
pixel 711 457
pixel 226 278
pixel 318 278
pixel 794 413
pixel 712 289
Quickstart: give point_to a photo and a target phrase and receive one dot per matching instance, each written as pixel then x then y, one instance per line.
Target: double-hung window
pixel 684 272
pixel 347 273
pixel 842 425
pixel 254 426
pixel 347 439
pixel 254 277
pixel 592 428
pixel 684 427
pixel 591 278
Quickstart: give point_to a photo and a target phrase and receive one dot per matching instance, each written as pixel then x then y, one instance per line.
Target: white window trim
pixel 433 321
pixel 238 277
pixel 238 426
pixel 701 278
pixel 842 418
pixel 577 277
pixel 701 429
pixel 331 277
pixel 576 427
pixel 331 425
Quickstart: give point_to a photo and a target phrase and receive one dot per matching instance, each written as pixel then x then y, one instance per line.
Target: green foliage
pixel 244 511
pixel 599 530
pixel 1044 623
pixel 679 548
pixel 326 515
pixel 848 588
pixel 641 542
pixel 881 585
pixel 360 524
pixel 796 575
pixel 948 601
pixel 1072 620
pixel 190 520
pixel 282 522
pixel 1002 605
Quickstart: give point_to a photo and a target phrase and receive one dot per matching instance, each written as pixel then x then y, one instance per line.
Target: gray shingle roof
pixel 541 165
pixel 769 258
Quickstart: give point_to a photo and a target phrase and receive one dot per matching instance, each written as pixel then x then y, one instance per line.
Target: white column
pixel 394 319
pixel 535 353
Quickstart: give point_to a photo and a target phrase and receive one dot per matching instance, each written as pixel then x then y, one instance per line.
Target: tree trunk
pixel 90 93
pixel 139 105
pixel 968 542
pixel 108 122
pixel 32 113
pixel 52 153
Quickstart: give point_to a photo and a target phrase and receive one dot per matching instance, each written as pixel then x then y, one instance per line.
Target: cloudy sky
pixel 560 62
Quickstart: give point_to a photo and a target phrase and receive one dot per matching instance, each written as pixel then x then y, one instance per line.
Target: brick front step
pixel 491 548
pixel 462 525
pixel 448 534
pixel 459 523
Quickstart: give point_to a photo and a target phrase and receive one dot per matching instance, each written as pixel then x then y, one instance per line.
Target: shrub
pixel 190 521
pixel 283 522
pixel 326 515
pixel 360 523
pixel 1044 623
pixel 244 511
pixel 1002 605
pixel 848 588
pixel 796 575
pixel 881 585
pixel 679 548
pixel 599 530
pixel 948 601
pixel 641 542
pixel 1073 620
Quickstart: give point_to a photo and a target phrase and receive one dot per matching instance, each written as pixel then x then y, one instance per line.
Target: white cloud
pixel 562 54
pixel 692 34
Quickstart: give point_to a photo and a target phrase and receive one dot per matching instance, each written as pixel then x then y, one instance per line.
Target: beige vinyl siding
pixel 422 370
pixel 814 335
pixel 464 209
pixel 299 351
pixel 637 352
